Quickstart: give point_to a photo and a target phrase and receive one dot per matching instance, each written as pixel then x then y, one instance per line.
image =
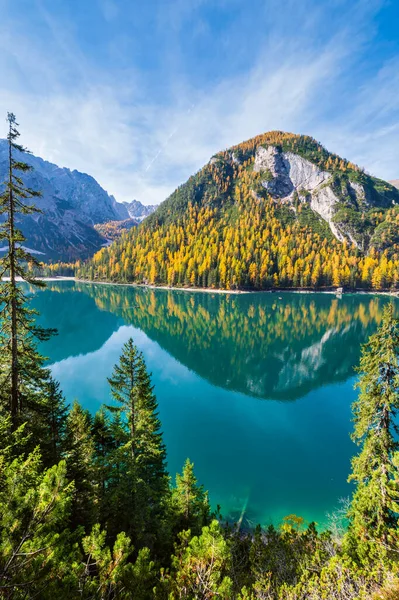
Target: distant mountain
pixel 278 210
pixel 71 203
pixel 139 211
pixel 395 183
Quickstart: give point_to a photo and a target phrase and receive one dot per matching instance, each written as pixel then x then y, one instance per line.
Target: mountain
pixel 278 210
pixel 112 230
pixel 395 183
pixel 71 204
pixel 138 211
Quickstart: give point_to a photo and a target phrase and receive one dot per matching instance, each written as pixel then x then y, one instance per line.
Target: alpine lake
pixel 256 389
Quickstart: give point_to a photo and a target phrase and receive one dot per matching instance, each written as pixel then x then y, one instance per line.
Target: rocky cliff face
pixel 71 204
pixel 291 178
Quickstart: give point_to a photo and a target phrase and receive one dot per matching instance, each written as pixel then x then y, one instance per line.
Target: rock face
pixel 395 182
pixel 71 204
pixel 288 176
pixel 139 211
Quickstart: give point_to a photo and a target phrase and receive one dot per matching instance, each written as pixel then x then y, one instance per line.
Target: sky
pixel 140 95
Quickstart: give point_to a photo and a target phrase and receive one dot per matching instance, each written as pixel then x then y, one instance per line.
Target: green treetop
pixel 79 452
pixel 374 510
pixel 142 487
pixel 190 501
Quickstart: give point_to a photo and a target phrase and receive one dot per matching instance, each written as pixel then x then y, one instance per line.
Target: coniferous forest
pixel 87 506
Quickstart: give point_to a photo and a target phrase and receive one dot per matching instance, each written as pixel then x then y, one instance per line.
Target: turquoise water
pixel 254 388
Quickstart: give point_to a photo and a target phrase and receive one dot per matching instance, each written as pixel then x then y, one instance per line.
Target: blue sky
pixel 141 94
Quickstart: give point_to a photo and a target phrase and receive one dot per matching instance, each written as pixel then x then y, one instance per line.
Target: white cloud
pixel 138 146
pixel 369 132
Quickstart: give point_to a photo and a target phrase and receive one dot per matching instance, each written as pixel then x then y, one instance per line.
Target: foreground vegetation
pixel 87 509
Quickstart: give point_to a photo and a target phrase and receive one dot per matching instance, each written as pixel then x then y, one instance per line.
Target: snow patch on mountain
pixel 139 211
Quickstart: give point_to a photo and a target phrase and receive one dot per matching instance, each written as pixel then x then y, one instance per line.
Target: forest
pixel 88 509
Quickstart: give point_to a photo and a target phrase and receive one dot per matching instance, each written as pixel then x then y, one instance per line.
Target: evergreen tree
pixel 374 509
pixel 200 566
pixel 144 485
pixel 111 573
pixel 79 452
pixel 22 375
pixel 51 422
pixel 105 444
pixel 190 502
pixel 37 558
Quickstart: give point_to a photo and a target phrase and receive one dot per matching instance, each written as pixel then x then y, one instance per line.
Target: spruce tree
pixel 22 375
pixel 48 427
pixel 190 502
pixel 79 453
pixel 105 445
pixel 143 487
pixel 374 509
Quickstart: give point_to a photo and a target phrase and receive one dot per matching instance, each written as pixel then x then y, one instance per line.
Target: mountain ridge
pixel 72 202
pixel 278 210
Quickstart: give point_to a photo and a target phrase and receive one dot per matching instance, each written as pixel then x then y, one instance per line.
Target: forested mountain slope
pixel 71 204
pixel 277 210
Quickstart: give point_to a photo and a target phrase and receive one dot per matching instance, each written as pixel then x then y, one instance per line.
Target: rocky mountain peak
pixel 139 211
pixel 71 203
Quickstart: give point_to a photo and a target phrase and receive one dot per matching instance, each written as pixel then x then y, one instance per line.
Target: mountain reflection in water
pixel 256 344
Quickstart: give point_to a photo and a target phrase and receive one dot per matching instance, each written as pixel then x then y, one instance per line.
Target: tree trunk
pixel 14 340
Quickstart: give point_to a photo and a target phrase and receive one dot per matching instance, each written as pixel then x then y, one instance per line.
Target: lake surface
pixel 256 388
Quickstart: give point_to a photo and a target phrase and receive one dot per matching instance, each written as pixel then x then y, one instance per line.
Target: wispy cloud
pixel 141 140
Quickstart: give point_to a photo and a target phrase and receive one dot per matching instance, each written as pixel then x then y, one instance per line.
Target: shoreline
pixel 334 292
pixel 60 278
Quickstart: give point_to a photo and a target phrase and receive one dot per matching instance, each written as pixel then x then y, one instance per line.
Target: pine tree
pixel 141 456
pixel 36 554
pixel 105 444
pixel 200 567
pixel 374 508
pixel 79 453
pixel 190 502
pixel 22 375
pixel 50 422
pixel 110 573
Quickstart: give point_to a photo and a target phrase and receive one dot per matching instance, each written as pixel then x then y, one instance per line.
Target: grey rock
pixel 71 204
pixel 288 173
